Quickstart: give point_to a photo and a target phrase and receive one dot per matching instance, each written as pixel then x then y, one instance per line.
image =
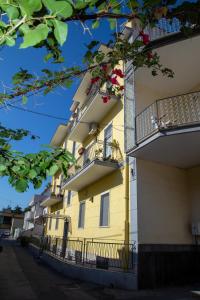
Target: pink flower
pixel 118 72
pixel 105 99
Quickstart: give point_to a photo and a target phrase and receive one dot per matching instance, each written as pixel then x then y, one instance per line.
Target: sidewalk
pixel 24 278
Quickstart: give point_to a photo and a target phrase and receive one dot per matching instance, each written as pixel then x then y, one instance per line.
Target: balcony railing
pixel 91 94
pixel 96 151
pixel 29 215
pixel 170 113
pixel 163 28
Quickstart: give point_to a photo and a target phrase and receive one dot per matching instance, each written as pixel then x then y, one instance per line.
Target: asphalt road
pixel 23 277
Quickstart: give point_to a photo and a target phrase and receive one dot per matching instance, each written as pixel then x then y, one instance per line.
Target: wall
pixel 194 192
pixel 164 208
pixel 92 195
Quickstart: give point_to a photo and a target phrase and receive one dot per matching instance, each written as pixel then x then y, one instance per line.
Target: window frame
pixel 101 212
pixel 106 147
pixel 80 226
pixel 57 221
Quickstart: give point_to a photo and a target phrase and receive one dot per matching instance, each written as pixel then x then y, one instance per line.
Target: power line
pixel 51 116
pixel 36 112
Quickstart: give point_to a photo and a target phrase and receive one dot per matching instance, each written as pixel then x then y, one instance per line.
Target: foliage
pixel 45 24
pixel 23 169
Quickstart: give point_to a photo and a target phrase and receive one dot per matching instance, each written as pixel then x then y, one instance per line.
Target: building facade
pixel 136 180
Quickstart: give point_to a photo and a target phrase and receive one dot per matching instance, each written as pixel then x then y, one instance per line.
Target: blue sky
pixel 57 103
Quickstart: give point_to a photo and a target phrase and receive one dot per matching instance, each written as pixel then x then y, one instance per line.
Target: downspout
pixel 126 223
pixel 126 227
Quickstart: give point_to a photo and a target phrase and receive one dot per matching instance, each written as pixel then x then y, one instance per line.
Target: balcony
pixel 97 161
pixel 168 131
pixel 29 215
pixel 50 198
pixel 93 110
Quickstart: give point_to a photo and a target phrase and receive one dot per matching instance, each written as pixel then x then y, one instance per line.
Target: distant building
pixel 9 222
pixel 33 218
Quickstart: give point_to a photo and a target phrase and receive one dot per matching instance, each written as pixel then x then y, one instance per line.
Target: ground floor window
pixel 50 222
pixel 104 210
pixel 81 219
pixel 57 221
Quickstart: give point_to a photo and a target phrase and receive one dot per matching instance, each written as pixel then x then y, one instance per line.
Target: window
pixel 69 197
pixel 73 148
pixel 107 141
pixel 81 218
pixel 50 222
pixel 104 210
pixel 57 221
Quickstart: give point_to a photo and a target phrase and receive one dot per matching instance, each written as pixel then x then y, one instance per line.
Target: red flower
pixel 104 67
pixel 118 72
pixel 121 88
pixel 145 39
pixel 95 79
pixel 106 99
pixel 149 55
pixel 113 80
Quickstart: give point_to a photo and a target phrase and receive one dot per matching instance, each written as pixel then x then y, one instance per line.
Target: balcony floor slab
pixel 178 148
pixel 89 174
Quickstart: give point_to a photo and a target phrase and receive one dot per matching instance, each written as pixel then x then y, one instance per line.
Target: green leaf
pixel 35 36
pixel 28 7
pixel 95 24
pixel 10 41
pixel 60 31
pixel 112 23
pixel 52 170
pixel 2 24
pixel 24 99
pixel 21 185
pixel 48 57
pixel 12 12
pixel 2 168
pixel 32 174
pixel 61 8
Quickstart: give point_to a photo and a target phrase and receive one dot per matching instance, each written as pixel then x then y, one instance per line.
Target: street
pixel 23 277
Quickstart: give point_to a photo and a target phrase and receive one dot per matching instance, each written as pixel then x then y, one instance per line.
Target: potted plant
pixel 98 152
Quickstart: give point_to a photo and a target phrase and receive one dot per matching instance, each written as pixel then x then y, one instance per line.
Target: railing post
pixel 84 250
pixel 64 246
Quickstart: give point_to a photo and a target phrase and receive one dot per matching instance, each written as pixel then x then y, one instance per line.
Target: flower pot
pixel 81 151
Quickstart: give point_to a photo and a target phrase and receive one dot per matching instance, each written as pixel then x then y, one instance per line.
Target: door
pixel 107 141
pixel 65 236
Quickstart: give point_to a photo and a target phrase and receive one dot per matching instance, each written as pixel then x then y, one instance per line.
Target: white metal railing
pixel 162 29
pixel 169 113
pixel 96 151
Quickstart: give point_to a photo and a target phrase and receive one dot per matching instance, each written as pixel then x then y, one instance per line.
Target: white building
pixel 33 218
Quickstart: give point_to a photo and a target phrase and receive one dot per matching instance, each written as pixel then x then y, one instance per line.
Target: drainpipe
pixel 126 223
pixel 126 228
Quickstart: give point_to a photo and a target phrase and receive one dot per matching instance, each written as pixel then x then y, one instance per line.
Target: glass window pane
pixel 81 219
pixel 104 210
